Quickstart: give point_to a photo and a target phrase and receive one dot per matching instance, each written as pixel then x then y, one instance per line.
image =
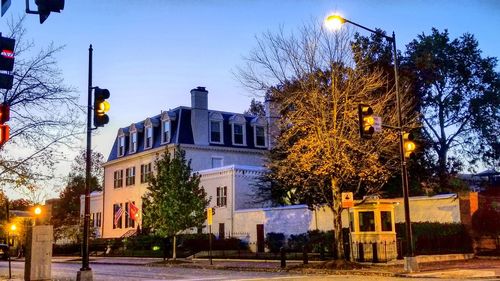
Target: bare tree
pixel 316 88
pixel 44 114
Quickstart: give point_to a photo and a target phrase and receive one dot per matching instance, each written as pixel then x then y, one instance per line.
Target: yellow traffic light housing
pixel 366 121
pixel 101 106
pixel 409 145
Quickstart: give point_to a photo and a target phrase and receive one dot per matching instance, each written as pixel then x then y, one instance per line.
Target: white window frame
pixel 238 120
pixel 255 136
pixel 259 122
pixel 216 117
pixel 130 176
pixel 169 136
pixel 132 144
pixel 118 179
pixel 146 130
pixel 121 146
pixel 221 196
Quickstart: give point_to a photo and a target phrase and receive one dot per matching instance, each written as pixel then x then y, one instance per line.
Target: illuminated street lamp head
pixel 38 211
pixel 334 22
pixel 13 227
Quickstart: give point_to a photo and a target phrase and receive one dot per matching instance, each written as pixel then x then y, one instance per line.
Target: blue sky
pixel 149 54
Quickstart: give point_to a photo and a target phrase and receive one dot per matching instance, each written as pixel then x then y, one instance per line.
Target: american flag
pixel 118 215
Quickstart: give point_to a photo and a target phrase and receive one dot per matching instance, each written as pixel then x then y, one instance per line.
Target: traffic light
pixel 409 145
pixel 47 6
pixel 6 61
pixel 101 106
pixel 4 128
pixel 366 121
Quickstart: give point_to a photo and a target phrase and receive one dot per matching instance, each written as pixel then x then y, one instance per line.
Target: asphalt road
pixel 108 272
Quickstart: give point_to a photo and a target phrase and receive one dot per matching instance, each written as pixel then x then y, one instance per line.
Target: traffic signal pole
pixel 85 272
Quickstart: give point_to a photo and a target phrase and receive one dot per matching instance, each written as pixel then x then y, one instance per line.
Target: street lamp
pixel 335 22
pixel 12 228
pixel 37 211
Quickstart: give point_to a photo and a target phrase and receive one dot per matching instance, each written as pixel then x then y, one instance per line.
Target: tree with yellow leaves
pixel 315 88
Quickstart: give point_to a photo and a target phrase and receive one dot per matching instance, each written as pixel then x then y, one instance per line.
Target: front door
pixel 260 238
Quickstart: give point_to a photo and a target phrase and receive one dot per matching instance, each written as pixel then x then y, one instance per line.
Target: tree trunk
pixel 337 220
pixel 174 252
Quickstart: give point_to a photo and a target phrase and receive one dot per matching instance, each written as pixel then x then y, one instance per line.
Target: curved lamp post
pixel 335 22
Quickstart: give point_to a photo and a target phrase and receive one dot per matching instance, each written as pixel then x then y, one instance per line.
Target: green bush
pixel 437 238
pixel 274 241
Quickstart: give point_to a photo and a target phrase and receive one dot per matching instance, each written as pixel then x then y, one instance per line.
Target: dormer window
pixel 259 132
pixel 165 131
pixel 238 129
pixel 133 142
pixel 260 136
pixel 238 134
pixel 121 143
pixel 216 128
pixel 166 126
pixel 148 137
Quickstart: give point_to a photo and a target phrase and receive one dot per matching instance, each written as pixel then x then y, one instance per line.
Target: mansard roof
pixel 181 130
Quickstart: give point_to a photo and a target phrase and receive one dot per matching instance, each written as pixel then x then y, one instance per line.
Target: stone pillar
pixel 38 253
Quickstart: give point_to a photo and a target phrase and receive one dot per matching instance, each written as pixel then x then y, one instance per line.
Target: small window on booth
pixel 386 218
pixel 366 221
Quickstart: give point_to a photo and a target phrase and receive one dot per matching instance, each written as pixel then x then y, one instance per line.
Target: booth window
pixel 366 221
pixel 386 219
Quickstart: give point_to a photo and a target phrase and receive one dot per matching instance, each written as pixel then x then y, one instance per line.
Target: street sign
pixel 209 216
pixel 347 200
pixel 377 126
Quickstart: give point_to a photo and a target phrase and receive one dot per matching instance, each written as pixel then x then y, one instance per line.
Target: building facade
pixel 219 144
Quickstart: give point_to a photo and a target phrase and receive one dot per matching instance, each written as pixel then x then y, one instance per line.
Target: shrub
pixel 438 238
pixel 274 241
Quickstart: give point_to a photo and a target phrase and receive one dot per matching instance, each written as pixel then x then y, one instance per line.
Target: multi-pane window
pixel 133 142
pixel 148 137
pixel 238 134
pixel 366 221
pixel 386 220
pixel 145 172
pixel 216 131
pixel 165 132
pixel 117 215
pixel 221 196
pixel 129 222
pixel 260 136
pixel 121 146
pixel 130 176
pixel 118 178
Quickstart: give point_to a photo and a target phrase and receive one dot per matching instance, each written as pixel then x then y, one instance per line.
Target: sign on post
pixel 377 125
pixel 347 200
pixel 209 216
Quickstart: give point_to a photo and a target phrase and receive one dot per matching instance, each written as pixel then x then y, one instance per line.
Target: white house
pixel 222 147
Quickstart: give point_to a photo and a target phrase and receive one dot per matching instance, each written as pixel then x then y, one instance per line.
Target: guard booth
pixel 373 231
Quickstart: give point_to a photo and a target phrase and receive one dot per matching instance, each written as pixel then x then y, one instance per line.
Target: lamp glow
pixel 13 227
pixel 334 22
pixel 38 211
